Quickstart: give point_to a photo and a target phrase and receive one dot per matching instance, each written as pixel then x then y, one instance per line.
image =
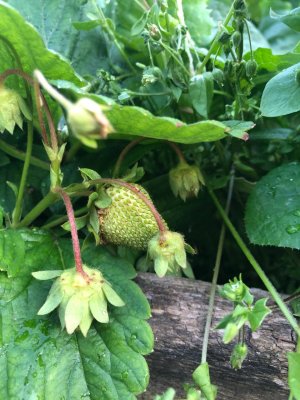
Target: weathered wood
pixel 179 308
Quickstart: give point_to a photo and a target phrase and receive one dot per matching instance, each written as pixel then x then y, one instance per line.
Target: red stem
pixel 177 151
pixel 74 233
pixel 160 223
pixel 123 153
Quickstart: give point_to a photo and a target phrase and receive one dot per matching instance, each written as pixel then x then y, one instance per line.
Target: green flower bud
pixel 224 38
pixel 238 355
pixel 186 180
pixel 251 68
pixel 79 299
pixel 236 38
pixel 151 75
pixel 88 122
pixel 167 250
pixel 218 75
pixel 154 32
pixel 12 106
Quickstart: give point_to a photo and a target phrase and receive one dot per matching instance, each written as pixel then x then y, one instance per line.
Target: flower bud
pixel 79 299
pixel 87 121
pixel 238 355
pixel 251 68
pixel 12 106
pixel 167 250
pixel 154 32
pixel 186 180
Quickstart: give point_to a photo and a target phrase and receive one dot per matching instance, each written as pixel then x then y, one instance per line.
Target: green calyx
pixel 186 180
pixel 12 110
pixel 79 299
pixel 238 355
pixel 168 252
pixel 87 121
pixel 127 221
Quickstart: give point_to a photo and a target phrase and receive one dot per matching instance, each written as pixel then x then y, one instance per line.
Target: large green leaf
pixel 273 208
pixel 53 20
pixel 129 121
pixel 281 95
pixel 266 60
pixel 198 19
pixel 30 48
pixel 38 360
pixel 291 19
pixel 294 373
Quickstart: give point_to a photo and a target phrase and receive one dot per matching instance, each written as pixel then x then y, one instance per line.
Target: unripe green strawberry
pixel 12 109
pixel 185 180
pixel 167 250
pixel 79 299
pixel 128 221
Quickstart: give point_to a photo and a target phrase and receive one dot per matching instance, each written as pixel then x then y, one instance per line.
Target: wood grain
pixel 179 308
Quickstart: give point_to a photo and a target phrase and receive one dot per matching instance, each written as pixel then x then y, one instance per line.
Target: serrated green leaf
pixel 258 314
pixel 106 365
pixel 30 48
pixel 294 373
pixel 281 95
pixel 273 208
pixel 198 19
pixel 53 19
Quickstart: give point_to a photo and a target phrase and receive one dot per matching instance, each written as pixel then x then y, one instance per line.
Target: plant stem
pixel 112 36
pixel 177 151
pixel 18 207
pixel 49 199
pixel 215 276
pixel 62 100
pixel 123 154
pixel 174 56
pixel 20 155
pixel 217 37
pixel 61 220
pixel 160 223
pixel 268 284
pixel 74 233
pixel 187 40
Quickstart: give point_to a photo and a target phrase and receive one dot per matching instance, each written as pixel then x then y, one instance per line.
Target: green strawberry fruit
pixel 128 221
pixel 79 299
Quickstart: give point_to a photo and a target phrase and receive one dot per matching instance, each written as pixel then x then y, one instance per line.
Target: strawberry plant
pixel 125 126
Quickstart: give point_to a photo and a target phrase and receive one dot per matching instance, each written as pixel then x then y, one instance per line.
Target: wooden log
pixel 179 307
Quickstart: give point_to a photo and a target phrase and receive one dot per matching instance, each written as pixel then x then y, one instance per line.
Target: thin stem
pixel 51 90
pixel 217 37
pixel 18 207
pixel 148 94
pixel 249 37
pixel 177 151
pixel 215 276
pixel 38 100
pixel 174 56
pixel 20 155
pixel 268 284
pixel 64 218
pixel 112 35
pixel 74 233
pixel 47 201
pixel 160 223
pixel 123 154
pixel 187 39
